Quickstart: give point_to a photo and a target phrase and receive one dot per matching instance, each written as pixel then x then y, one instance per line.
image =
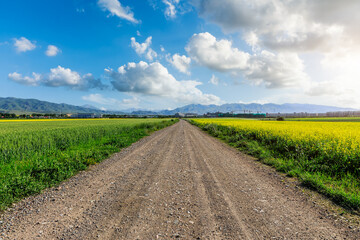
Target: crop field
pixel 323 155
pixel 326 119
pixel 36 154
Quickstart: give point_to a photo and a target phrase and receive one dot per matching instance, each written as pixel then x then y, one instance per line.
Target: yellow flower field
pixel 339 138
pixel 326 155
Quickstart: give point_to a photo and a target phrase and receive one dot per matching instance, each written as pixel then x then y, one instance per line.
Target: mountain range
pixel 18 105
pixel 255 107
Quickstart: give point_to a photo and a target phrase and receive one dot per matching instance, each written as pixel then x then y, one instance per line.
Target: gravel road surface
pixel 178 183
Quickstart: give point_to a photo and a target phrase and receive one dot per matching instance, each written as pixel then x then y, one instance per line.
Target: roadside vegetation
pixel 37 154
pixel 324 155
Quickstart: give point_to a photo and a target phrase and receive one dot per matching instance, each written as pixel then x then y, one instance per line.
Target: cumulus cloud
pixel 301 25
pixel 324 33
pixel 30 81
pixel 59 77
pixel 154 80
pixel 116 9
pixel 181 63
pixel 144 48
pixel 63 77
pixel 274 70
pixel 214 80
pixel 115 103
pixel 52 51
pixel 23 44
pixel 218 55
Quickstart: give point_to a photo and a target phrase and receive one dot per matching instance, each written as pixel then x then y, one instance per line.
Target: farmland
pixel 178 183
pixel 36 154
pixel 323 155
pixel 326 119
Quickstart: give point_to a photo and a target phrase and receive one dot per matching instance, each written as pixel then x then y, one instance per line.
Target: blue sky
pixel 161 54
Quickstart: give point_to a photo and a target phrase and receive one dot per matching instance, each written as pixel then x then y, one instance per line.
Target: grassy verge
pixel 33 158
pixel 342 188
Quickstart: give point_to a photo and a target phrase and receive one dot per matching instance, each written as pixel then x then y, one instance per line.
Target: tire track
pixel 217 191
pixel 207 223
pixel 115 211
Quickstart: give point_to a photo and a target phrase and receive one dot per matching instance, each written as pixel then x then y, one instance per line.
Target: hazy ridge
pixel 20 105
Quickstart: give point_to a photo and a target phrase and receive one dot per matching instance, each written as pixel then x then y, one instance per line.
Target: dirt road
pixel 179 183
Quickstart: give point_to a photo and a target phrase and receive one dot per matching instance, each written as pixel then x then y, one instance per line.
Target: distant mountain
pixel 89 106
pixel 254 107
pixel 18 105
pixel 144 112
pixel 36 106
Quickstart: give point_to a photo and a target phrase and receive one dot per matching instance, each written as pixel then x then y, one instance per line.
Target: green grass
pixel 35 155
pixel 342 188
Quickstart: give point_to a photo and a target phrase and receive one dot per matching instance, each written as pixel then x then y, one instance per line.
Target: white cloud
pixel 114 103
pixel 214 80
pixel 272 70
pixel 218 55
pixel 155 80
pixel 52 51
pixel 140 48
pixel 96 98
pixel 277 70
pixel 138 33
pixel 324 33
pixel 116 9
pixel 63 77
pixel 59 77
pixel 144 48
pixel 170 10
pixel 23 44
pixel 150 55
pixel 181 63
pixel 30 81
pixel 301 25
pixel 133 102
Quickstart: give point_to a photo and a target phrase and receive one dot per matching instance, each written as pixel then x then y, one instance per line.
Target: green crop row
pixel 35 155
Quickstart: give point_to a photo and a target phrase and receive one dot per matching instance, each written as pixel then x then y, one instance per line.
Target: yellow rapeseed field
pixel 331 138
pixel 324 155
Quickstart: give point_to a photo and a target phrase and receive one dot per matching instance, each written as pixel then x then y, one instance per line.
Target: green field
pixel 36 154
pixel 323 155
